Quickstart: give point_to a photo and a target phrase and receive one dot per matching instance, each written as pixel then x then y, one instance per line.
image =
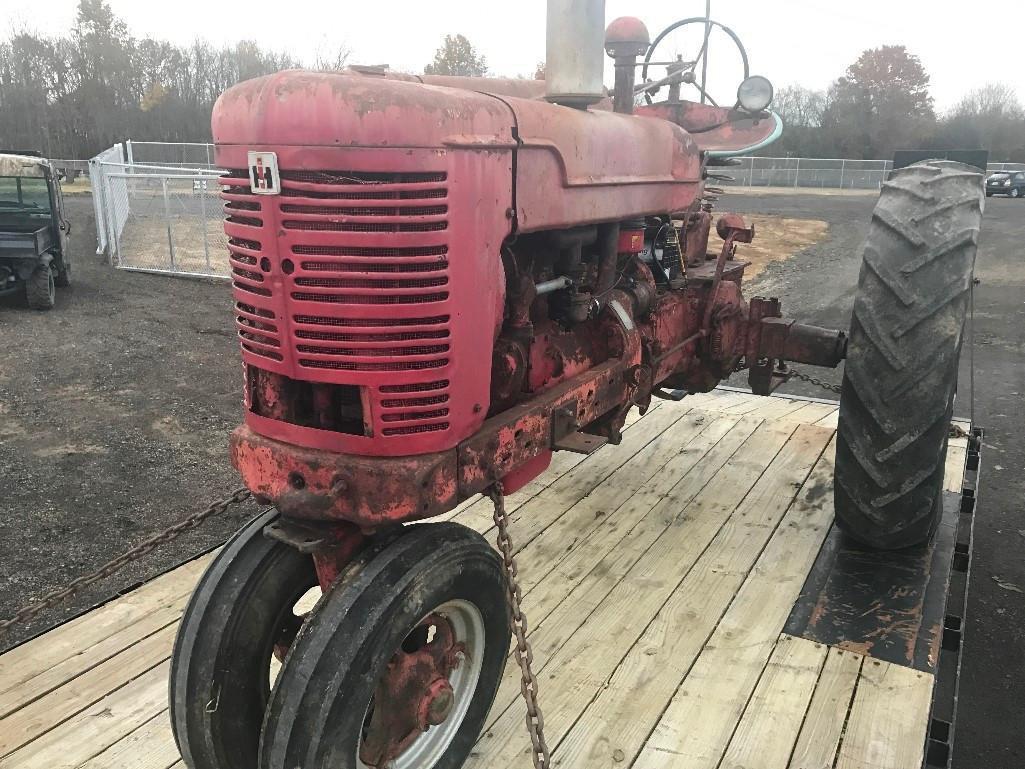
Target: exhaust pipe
pixel 574 61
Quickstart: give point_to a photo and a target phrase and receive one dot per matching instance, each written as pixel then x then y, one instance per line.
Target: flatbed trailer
pixel 690 604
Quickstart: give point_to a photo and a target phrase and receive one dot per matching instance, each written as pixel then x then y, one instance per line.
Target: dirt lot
pixel 114 414
pixel 115 409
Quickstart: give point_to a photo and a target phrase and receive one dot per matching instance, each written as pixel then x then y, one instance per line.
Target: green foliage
pixel 457 56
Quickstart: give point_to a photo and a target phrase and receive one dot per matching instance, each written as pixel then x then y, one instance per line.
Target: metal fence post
pixel 99 205
pixel 202 208
pixel 843 164
pixel 113 241
pixel 167 218
pixel 797 172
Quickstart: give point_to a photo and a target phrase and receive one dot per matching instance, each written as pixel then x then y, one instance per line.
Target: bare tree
pixel 799 106
pixel 990 117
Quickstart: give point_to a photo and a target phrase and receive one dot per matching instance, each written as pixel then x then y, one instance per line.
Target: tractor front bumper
pixel 370 492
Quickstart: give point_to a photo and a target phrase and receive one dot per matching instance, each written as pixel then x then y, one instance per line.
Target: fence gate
pixel 160 218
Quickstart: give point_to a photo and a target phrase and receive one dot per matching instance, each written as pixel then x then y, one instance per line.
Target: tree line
pixel 73 95
pixel 882 103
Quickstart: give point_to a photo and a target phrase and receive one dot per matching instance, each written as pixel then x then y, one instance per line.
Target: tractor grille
pixel 343 278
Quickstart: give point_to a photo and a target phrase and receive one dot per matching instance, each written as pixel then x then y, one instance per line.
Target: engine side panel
pixel 581 166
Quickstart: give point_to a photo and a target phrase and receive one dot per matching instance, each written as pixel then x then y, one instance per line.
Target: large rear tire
pixel 902 358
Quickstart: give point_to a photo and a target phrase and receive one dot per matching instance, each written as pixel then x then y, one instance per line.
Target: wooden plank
pixel 750 405
pixel 617 722
pixel 97 727
pixel 68 640
pixel 151 746
pixel 718 400
pixel 537 514
pixel 585 575
pixel 561 611
pixel 476 511
pixel 576 672
pixel 888 720
pixel 768 729
pixel 810 413
pixel 827 714
pixel 774 407
pixel 589 513
pixel 89 656
pixel 830 420
pixel 42 715
pixel 696 728
pixel 953 471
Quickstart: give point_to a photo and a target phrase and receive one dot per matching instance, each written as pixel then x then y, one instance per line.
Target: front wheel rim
pixel 467 627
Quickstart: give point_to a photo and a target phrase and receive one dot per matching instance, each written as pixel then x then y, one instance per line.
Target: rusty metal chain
pixel 142 549
pixel 795 374
pixel 541 756
pixel 956 431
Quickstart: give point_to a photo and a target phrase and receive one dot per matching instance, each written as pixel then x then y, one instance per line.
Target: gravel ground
pixel 114 413
pixel 115 410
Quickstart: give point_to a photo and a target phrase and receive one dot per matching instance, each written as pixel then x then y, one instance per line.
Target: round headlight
pixel 755 94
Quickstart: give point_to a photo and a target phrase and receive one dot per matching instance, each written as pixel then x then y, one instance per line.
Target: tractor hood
pixel 300 108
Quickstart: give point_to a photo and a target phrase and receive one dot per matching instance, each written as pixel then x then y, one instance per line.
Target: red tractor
pixel 438 282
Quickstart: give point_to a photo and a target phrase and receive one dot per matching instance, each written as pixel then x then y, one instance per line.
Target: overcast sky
pixel 809 42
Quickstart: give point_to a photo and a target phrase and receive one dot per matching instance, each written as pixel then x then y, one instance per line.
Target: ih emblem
pixel 263 173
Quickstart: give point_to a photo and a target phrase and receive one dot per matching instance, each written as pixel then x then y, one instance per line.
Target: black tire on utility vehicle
pixel 39 288
pixel 241 615
pixel 63 279
pixel 400 663
pixel 902 358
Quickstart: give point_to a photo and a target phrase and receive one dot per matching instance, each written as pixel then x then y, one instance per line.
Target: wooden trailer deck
pixel 689 602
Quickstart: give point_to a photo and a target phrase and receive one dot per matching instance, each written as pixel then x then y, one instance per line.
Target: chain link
pixel 956 431
pixel 518 622
pixel 142 549
pixel 794 373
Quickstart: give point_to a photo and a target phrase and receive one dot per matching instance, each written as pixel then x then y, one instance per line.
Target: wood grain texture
pixel 696 728
pixel 765 737
pixel 886 728
pixel 823 724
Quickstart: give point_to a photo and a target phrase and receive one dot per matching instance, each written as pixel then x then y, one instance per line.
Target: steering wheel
pixel 686 73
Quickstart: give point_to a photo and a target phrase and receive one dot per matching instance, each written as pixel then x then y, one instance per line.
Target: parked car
pixel 1006 183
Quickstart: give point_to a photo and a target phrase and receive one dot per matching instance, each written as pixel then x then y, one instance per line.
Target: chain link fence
pixel 810 173
pixel 172 154
pixel 160 217
pixel 822 173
